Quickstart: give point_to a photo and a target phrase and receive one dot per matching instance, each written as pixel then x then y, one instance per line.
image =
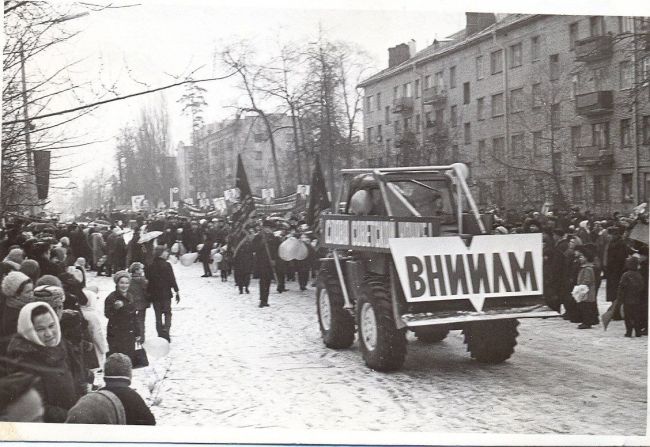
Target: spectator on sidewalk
pixel 630 291
pixel 121 331
pixel 587 309
pixel 20 400
pixel 161 283
pixel 117 376
pixel 138 290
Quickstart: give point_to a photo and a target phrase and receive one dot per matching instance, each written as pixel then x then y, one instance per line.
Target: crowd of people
pixel 53 341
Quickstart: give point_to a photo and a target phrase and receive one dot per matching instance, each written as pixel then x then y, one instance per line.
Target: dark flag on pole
pixel 246 210
pixel 318 199
pixel 42 173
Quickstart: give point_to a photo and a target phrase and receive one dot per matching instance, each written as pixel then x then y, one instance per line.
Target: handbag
pixel 140 359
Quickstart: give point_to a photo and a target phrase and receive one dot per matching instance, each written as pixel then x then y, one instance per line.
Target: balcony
pixel 403 105
pixel 433 96
pixel 595 103
pixel 404 139
pixel 594 156
pixel 435 130
pixel 594 48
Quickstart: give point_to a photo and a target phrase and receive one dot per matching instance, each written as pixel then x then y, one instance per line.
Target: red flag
pixel 244 214
pixel 318 199
pixel 42 173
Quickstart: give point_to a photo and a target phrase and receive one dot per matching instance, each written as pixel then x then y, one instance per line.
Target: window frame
pixel 516 61
pixel 496 114
pixel 496 62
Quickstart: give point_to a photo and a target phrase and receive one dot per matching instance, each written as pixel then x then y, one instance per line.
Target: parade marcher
pixel 265 248
pixel 38 343
pixel 138 290
pixel 630 295
pixel 116 251
pixel 117 376
pixel 161 282
pixel 98 251
pixel 616 254
pixel 205 256
pixel 587 309
pixel 242 263
pixel 79 243
pixel 119 309
pixel 134 250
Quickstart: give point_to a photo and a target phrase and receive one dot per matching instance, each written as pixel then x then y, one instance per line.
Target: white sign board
pixel 267 195
pixel 444 268
pixel 137 202
pixel 220 203
pixel 303 190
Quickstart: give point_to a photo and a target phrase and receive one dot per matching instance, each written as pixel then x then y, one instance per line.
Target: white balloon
pixel 188 259
pixel 156 347
pixel 217 257
pixel 199 247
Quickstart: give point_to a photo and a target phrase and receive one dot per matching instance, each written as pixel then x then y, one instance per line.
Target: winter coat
pixel 116 250
pixel 138 290
pixel 101 407
pixel 206 250
pixel 587 277
pixel 79 245
pixel 134 251
pixel 98 246
pixel 243 260
pixel 122 328
pixel 136 410
pixel 265 247
pixel 161 280
pixel 616 254
pixel 58 368
pixel 631 287
pixel 95 331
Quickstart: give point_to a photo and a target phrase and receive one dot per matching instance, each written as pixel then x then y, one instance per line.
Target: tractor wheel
pixel 382 345
pixel 336 323
pixel 431 335
pixel 491 341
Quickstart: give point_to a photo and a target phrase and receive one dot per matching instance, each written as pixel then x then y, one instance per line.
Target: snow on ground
pixel 233 365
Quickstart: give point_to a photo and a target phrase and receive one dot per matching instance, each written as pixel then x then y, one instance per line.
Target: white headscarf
pixel 26 326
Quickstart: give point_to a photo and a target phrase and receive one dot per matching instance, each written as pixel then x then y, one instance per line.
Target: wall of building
pixel 526 182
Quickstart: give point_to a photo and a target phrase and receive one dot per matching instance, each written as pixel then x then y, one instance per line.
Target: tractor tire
pixel 382 345
pixel 491 341
pixel 431 335
pixel 336 323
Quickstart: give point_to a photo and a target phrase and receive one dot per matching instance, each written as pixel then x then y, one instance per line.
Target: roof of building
pixel 457 41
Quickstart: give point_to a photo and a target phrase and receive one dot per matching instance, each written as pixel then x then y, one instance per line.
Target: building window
pixel 496 62
pixel 554 67
pixel 379 101
pixel 417 88
pixel 440 116
pixel 427 118
pixel 576 137
pixel 368 104
pixel 625 75
pixel 534 48
pixel 517 100
pixel 646 129
pixel 626 138
pixel 387 115
pixel 439 81
pixel 259 137
pixel 482 193
pixel 537 95
pixel 396 92
pixel 645 69
pixel 555 115
pixel 455 155
pixel 577 189
pixel 625 24
pixel 498 146
pixel 600 135
pixel 515 55
pixel 517 145
pixel 369 136
pixel 418 124
pixel 466 93
pixel 481 151
pixel 556 162
pixel 627 194
pixel 480 106
pixel 396 127
pixel 452 77
pixel 379 132
pixel 601 188
pixel 388 146
pixel 479 67
pixel 407 92
pixel 500 189
pixel 258 155
pixel 519 188
pixel 427 81
pixel 467 133
pixel 597 26
pixel 497 104
pixel 454 116
pixel 573 35
pixel 537 143
pixel 407 124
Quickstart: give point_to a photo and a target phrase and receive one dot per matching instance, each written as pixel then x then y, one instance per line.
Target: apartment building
pixel 540 107
pixel 219 144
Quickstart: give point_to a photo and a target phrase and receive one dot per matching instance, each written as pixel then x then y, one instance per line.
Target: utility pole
pixel 31 180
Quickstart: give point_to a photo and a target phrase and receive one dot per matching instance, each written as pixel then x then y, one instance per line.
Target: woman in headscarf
pixel 38 346
pixel 119 308
pixel 18 290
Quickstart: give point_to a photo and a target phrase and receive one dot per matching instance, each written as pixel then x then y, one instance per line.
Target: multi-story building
pixel 540 107
pixel 221 143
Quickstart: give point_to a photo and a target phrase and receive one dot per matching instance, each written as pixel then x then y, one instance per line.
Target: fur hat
pixel 30 268
pixel 14 282
pixel 52 295
pixel 65 241
pixel 49 280
pixel 16 255
pixel 59 252
pixel 134 266
pixel 100 407
pixel 118 367
pixel 121 274
pixel 631 263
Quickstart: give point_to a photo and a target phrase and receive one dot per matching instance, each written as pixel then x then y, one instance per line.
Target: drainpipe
pixel 635 119
pixel 506 98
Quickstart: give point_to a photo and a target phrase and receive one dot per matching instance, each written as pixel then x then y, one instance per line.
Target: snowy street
pixel 234 365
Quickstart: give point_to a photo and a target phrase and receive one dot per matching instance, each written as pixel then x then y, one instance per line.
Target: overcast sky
pixel 148 43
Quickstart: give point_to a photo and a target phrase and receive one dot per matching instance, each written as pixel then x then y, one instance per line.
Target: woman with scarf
pixel 18 290
pixel 39 347
pixel 587 308
pixel 122 330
